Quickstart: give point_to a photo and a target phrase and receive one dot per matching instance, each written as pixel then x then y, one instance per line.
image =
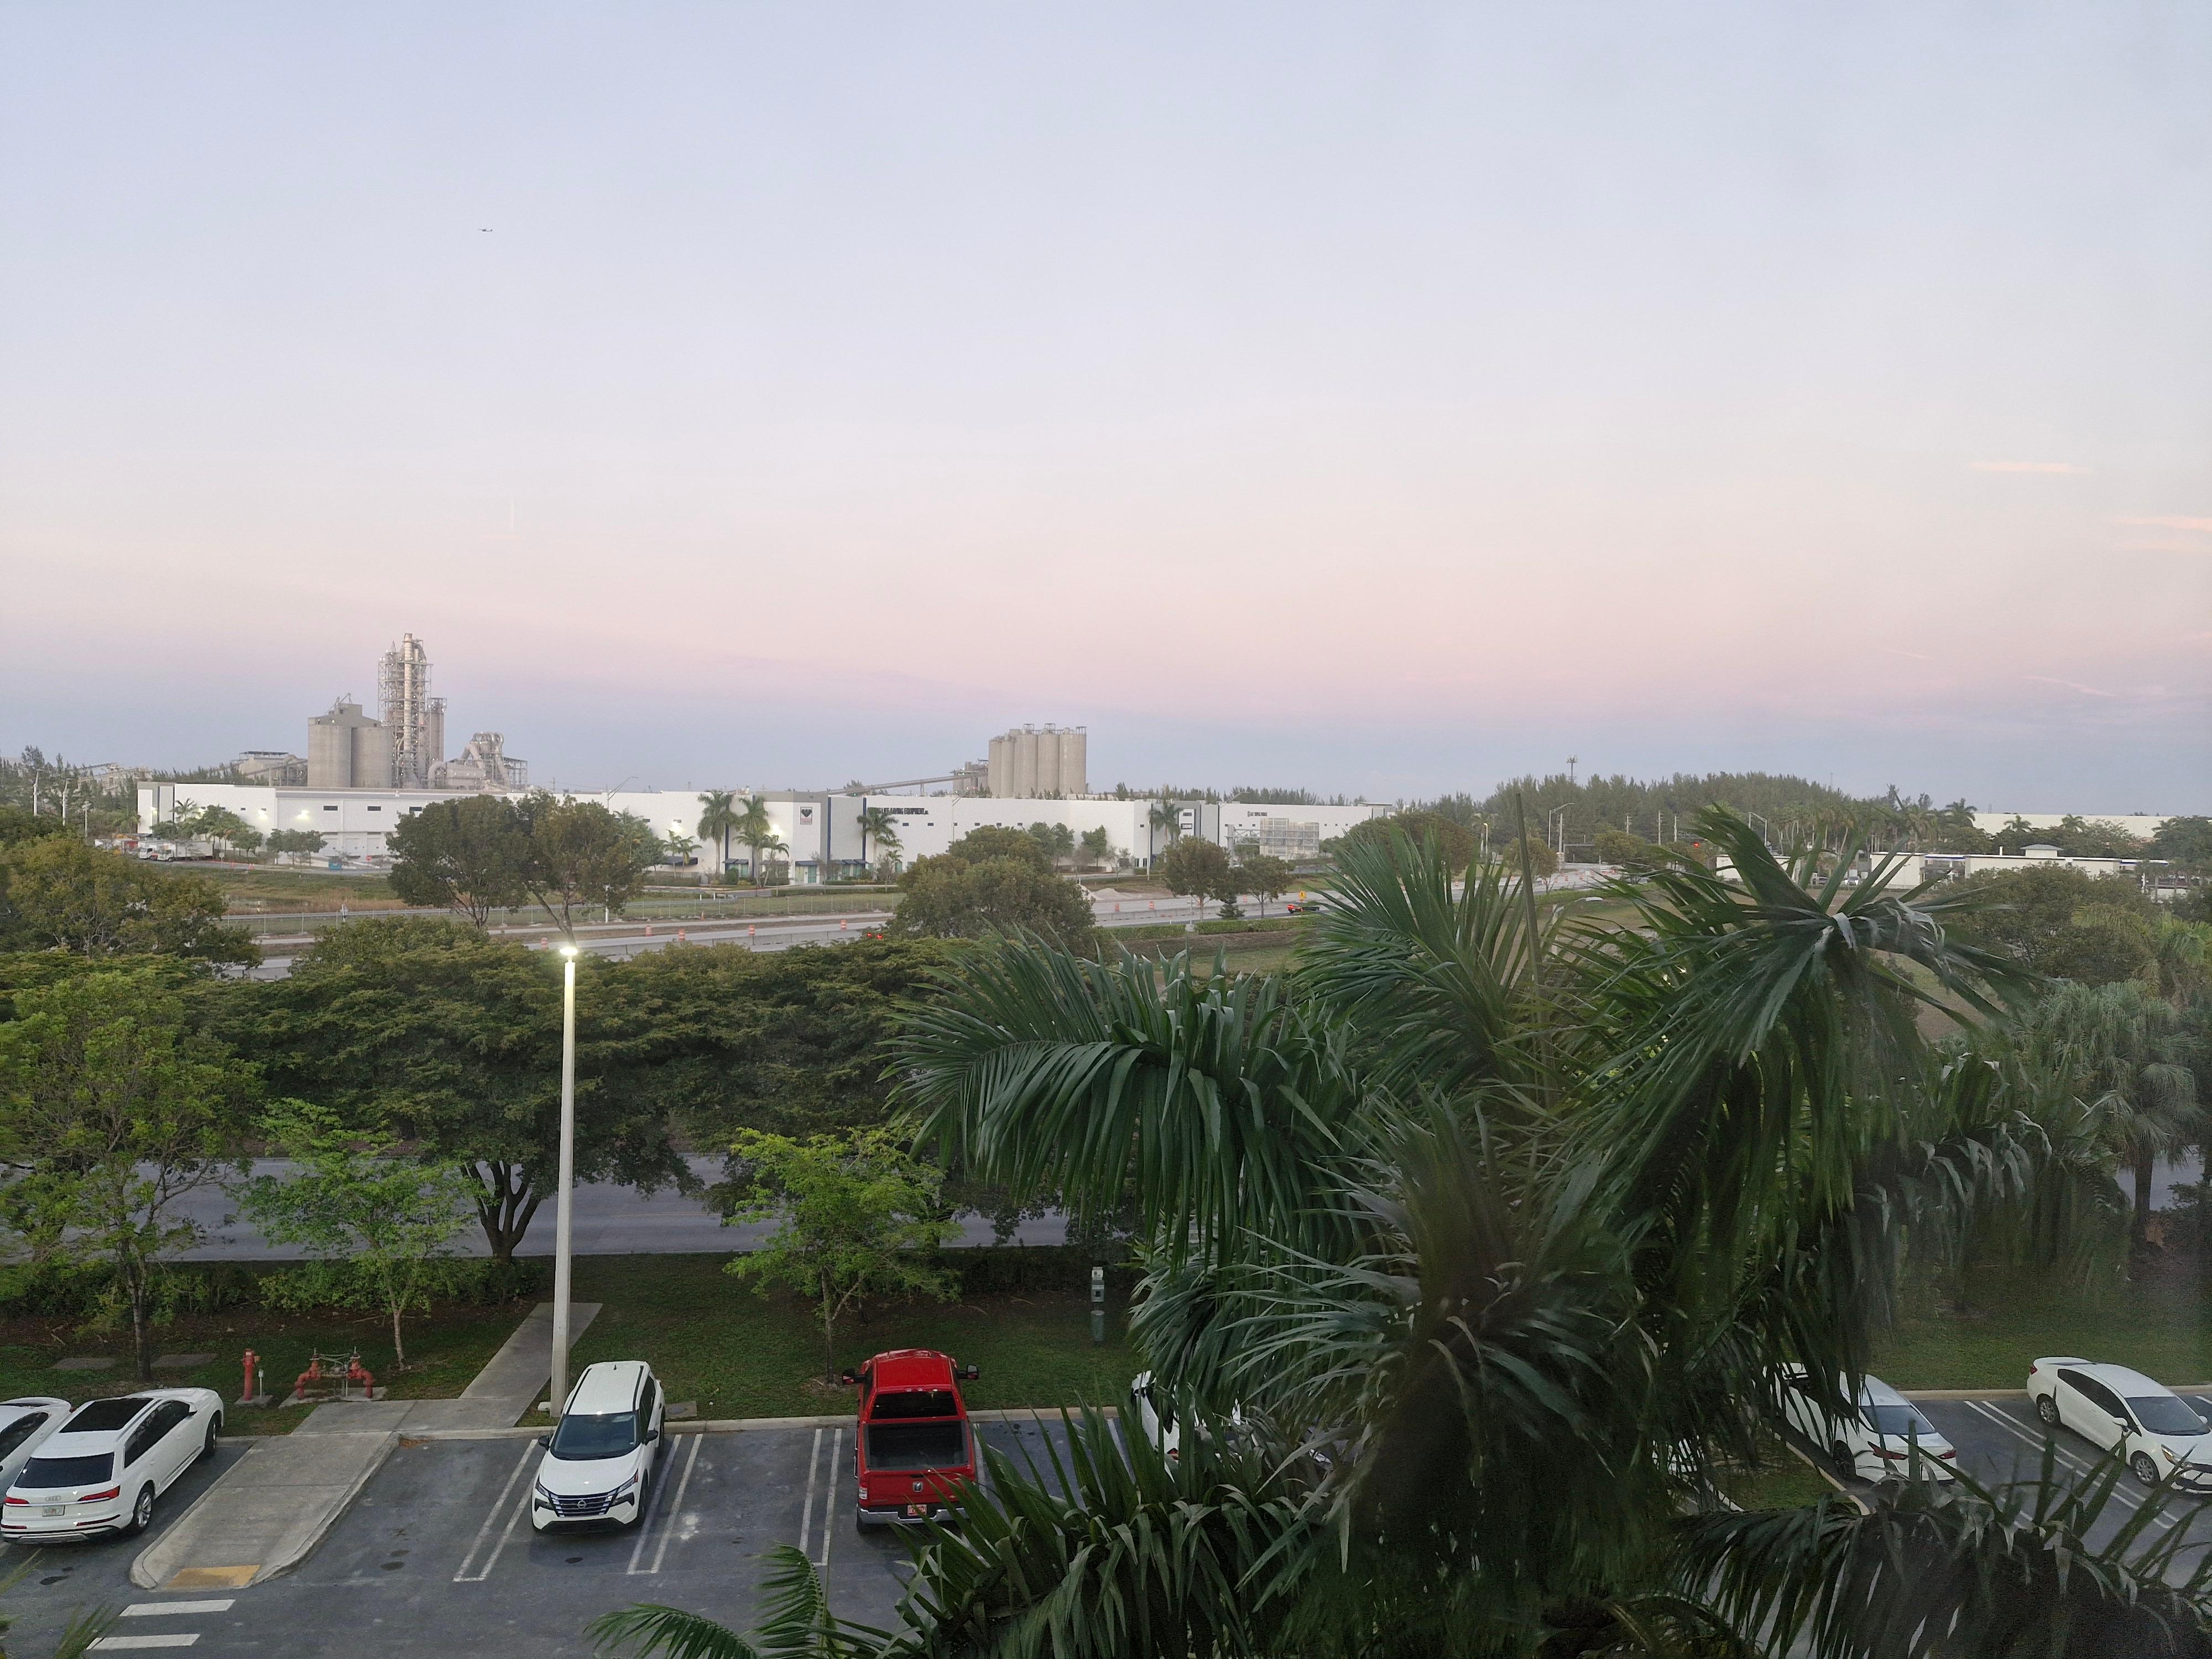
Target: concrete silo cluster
pixel 1034 762
pixel 405 748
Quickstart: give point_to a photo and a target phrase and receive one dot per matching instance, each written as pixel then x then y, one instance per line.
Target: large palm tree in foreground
pixel 1494 1224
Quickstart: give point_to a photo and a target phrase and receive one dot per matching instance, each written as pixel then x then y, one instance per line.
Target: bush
pixel 1006 1269
pixel 466 1281
pixel 85 1292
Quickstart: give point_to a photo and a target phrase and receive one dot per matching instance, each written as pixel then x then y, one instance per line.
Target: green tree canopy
pixel 2186 842
pixel 1455 841
pixel 990 841
pixel 2060 922
pixel 297 840
pixel 857 1217
pixel 353 1199
pixel 949 897
pixel 1197 868
pixel 59 894
pixel 580 857
pixel 470 855
pixel 111 1109
pixel 452 1042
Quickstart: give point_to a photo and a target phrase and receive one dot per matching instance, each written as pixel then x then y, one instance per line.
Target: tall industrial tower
pixel 415 719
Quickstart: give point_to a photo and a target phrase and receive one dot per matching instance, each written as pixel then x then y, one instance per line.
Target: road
pixel 436 1556
pixel 608 1220
pixel 623 939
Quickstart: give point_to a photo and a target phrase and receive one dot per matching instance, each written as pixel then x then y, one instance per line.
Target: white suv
pixel 2155 1432
pixel 100 1472
pixel 1876 1441
pixel 599 1458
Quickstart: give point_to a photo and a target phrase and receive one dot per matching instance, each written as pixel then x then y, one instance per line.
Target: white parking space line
pixel 2070 1458
pixel 674 1518
pixel 507 1537
pixel 813 1474
pixel 829 1497
pixel 116 1643
pixel 662 1519
pixel 491 1519
pixel 162 1609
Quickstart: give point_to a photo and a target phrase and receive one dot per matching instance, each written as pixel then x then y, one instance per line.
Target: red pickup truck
pixel 913 1450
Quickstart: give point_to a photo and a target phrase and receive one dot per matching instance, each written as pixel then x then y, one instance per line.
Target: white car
pixel 1157 1421
pixel 26 1425
pixel 2156 1432
pixel 599 1458
pixel 1876 1442
pixel 101 1470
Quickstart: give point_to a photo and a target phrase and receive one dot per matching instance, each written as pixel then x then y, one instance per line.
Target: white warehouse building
pixel 820 831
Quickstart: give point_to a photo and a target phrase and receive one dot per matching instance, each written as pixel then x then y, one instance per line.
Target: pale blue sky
pixel 1382 399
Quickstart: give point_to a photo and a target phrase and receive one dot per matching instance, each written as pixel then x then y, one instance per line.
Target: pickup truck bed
pixel 903 1446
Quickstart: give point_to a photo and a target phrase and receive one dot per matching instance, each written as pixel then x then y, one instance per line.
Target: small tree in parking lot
pixel 353 1201
pixel 857 1217
pixel 1268 877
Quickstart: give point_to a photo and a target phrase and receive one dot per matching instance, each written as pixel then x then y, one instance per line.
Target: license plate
pixel 915 1508
pixel 52 1510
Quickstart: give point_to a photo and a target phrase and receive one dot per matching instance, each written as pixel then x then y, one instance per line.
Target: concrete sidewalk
pixel 274 1505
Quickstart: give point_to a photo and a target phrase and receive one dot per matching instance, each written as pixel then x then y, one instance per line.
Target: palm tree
pixel 2124 1052
pixel 754 830
pixel 881 822
pixel 1513 1217
pixel 717 820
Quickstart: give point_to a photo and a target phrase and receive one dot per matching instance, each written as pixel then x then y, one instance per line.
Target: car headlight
pixel 2167 1453
pixel 546 1495
pixel 629 1488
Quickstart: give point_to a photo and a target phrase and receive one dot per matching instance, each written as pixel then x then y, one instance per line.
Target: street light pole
pixel 557 1395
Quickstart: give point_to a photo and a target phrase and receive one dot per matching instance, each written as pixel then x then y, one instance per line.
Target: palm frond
pixel 1434 983
pixel 1217 1101
pixel 650 1628
pixel 1110 1549
pixel 1935 1572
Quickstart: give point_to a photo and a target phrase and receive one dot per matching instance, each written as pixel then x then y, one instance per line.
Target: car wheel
pixel 1847 1464
pixel 2047 1409
pixel 141 1512
pixel 2146 1470
pixel 215 1427
pixel 644 1498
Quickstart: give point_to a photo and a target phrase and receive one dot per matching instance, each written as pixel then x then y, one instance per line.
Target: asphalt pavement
pixel 436 1557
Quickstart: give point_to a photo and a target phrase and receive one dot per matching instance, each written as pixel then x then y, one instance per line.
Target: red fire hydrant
pixel 252 1364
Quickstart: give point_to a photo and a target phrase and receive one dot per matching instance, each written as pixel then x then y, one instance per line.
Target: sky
pixel 1382 399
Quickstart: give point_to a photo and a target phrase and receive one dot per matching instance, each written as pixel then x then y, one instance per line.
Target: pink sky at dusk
pixel 1385 401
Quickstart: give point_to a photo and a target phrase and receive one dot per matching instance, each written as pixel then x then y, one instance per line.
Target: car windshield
pixel 46 1474
pixel 2166 1414
pixel 1903 1422
pixel 608 1435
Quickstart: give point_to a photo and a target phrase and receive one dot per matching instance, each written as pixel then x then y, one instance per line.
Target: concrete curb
pixel 161 1560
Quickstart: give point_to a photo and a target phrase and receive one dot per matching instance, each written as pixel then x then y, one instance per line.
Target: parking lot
pixel 2000 1441
pixel 439 1542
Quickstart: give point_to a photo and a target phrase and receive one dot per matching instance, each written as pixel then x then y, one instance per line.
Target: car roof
pixel 911 1368
pixel 2125 1380
pixel 12 1409
pixel 108 1417
pixel 609 1386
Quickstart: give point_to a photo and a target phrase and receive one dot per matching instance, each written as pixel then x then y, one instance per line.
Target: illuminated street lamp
pixel 557 1395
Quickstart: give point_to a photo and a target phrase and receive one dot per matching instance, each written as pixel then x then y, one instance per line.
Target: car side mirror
pixel 545 1442
pixel 971 1372
pixel 848 1375
pixel 652 1434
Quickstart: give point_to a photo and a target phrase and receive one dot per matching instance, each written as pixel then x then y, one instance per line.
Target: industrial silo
pixel 1074 762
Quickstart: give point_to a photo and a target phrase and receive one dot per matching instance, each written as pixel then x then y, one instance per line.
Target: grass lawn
pixel 2158 1324
pixel 246 892
pixel 738 1354
pixel 1787 1483
pixel 445 1349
